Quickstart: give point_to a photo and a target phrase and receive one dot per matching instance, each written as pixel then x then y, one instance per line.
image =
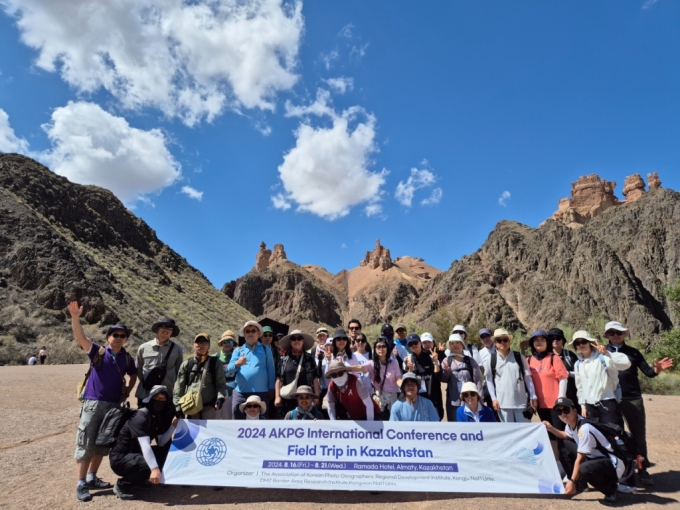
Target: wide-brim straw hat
pixel 304 390
pixel 227 335
pixel 583 335
pixel 501 332
pixel 251 323
pixel 284 343
pixel 257 400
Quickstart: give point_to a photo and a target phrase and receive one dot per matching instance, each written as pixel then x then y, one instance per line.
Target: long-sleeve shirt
pixel 508 387
pixel 390 373
pixel 598 376
pixel 550 379
pixel 150 355
pixel 455 374
pixel 421 410
pixel 258 374
pixel 628 378
pixel 190 380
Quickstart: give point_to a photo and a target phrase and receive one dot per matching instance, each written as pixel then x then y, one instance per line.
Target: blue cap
pixel 539 332
pixel 485 331
pixel 412 339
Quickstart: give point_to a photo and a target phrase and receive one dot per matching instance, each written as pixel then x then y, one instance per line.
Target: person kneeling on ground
pixel 473 410
pixel 133 458
pixel 305 409
pixel 346 390
pixel 411 406
pixel 254 408
pixel 583 456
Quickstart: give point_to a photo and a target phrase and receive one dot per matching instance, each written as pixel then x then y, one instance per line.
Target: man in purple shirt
pixel 105 388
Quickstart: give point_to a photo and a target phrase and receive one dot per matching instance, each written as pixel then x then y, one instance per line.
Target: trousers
pixel 133 469
pixel 599 472
pixel 606 411
pixel 634 413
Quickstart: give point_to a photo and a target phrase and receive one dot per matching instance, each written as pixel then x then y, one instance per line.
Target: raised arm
pixel 76 311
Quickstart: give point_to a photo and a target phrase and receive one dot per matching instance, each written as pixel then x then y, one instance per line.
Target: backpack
pixel 112 424
pixel 468 365
pixel 528 411
pixel 157 374
pixel 97 363
pixel 623 444
pixel 617 391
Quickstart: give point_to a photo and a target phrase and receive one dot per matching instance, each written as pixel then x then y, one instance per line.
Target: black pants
pixel 489 403
pixel 634 413
pixel 322 395
pixel 133 469
pixel 606 411
pixel 551 417
pixel 42 359
pixel 599 472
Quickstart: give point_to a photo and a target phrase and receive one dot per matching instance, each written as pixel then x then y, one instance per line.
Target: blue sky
pixel 301 123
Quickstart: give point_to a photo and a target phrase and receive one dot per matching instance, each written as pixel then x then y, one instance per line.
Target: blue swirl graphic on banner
pixel 185 435
pixel 211 452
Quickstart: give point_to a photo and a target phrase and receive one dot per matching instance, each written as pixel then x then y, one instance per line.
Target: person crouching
pixel 412 407
pixel 305 409
pixel 253 408
pixel 473 410
pixel 133 458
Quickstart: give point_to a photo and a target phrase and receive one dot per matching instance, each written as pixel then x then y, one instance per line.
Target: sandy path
pixel 37 469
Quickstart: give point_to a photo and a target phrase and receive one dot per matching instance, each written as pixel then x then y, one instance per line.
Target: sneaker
pixel 122 493
pixel 146 484
pixel 82 493
pixel 610 500
pixel 645 477
pixel 98 483
pixel 626 489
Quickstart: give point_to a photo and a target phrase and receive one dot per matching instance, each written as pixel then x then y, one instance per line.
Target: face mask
pixel 158 405
pixel 341 381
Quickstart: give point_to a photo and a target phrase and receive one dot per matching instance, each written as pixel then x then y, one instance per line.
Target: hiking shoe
pixel 98 483
pixel 146 484
pixel 645 477
pixel 610 500
pixel 83 494
pixel 626 489
pixel 123 494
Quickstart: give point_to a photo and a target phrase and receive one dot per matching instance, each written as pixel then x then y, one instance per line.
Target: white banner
pixel 372 456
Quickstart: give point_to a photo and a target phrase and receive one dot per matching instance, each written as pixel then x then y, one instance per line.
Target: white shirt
pixel 587 438
pixel 508 387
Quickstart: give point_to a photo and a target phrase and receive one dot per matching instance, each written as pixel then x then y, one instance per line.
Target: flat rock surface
pixel 40 417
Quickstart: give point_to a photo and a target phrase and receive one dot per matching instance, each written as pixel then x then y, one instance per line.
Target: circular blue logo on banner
pixel 211 452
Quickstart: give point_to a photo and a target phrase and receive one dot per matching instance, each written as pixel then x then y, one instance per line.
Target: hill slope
pixel 61 241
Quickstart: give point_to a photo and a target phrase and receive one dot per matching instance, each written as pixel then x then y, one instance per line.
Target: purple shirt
pixel 105 383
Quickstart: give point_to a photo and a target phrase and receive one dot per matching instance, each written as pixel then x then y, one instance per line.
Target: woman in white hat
pixel 457 369
pixel 597 378
pixel 253 408
pixel 305 410
pixel 296 367
pixel 473 410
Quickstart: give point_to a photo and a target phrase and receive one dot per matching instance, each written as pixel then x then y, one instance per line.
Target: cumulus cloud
pixel 329 58
pixel 9 142
pixel 419 179
pixel 192 193
pixel 327 172
pixel 91 146
pixel 503 199
pixel 188 59
pixel 341 84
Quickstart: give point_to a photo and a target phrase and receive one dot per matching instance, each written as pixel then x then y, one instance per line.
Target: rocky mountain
pixel 61 241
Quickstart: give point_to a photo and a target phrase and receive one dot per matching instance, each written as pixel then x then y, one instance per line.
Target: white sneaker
pixel 626 489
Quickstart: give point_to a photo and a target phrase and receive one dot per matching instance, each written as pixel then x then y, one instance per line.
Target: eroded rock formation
pixel 633 188
pixel 279 254
pixel 653 180
pixel 378 258
pixel 262 257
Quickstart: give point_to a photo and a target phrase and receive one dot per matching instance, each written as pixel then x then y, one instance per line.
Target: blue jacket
pixel 485 414
pixel 258 374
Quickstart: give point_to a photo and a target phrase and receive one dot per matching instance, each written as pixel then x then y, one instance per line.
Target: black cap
pixel 340 333
pixel 412 339
pixel 165 321
pixel 385 327
pixel 557 332
pixel 563 402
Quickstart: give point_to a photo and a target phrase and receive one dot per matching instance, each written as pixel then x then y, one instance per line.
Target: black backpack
pixel 157 374
pixel 468 365
pixel 623 444
pixel 112 424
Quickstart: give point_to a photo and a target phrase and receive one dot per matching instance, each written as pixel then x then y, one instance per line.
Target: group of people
pixel 40 357
pixel 261 374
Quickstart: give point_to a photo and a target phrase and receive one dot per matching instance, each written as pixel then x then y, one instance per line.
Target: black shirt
pixel 423 367
pixel 142 424
pixel 628 379
pixel 288 366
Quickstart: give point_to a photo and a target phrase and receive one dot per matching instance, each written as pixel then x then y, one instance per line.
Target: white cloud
pixel 91 146
pixel 418 179
pixel 343 246
pixel 341 84
pixel 434 198
pixel 505 196
pixel 347 31
pixel 648 4
pixel 192 193
pixel 373 209
pixel 327 172
pixel 358 52
pixel 329 58
pixel 9 142
pixel 188 59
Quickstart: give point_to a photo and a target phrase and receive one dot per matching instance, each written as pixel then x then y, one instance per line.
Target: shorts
pixel 92 414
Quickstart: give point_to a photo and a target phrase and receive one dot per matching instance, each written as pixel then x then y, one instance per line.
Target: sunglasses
pixel 337 374
pixel 268 334
pixel 484 337
pixel 502 340
pixel 614 332
pixel 165 326
pixel 581 342
pixel 249 331
pixel 382 346
pixel 342 339
pixel 554 338
pixel 467 394
pixel 563 410
pixel 118 335
pixel 252 406
pixel 412 343
pixel 296 339
pixel 360 341
pixel 352 328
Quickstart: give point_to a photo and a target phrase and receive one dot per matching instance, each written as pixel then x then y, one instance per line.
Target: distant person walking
pixel 104 388
pixel 158 360
pixel 42 355
pixel 632 405
pixel 255 370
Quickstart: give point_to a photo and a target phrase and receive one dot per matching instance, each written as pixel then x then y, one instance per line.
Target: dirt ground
pixel 37 469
